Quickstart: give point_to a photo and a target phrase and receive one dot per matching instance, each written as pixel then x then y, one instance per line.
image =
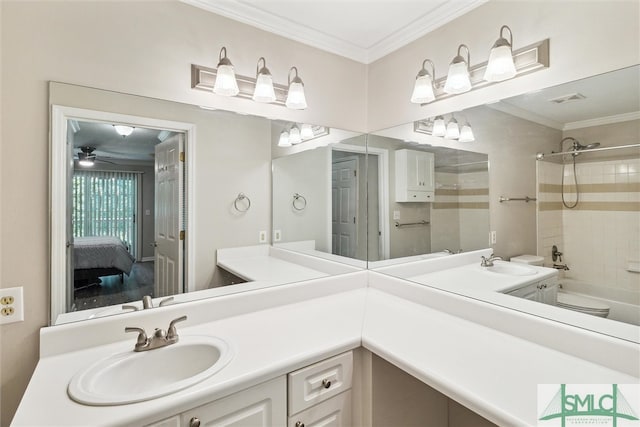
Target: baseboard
pixel 147 259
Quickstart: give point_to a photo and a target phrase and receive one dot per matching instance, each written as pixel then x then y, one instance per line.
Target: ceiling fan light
pixel 284 141
pixel 225 83
pixel 86 162
pixel 439 128
pixel 500 65
pixel 306 131
pixel 466 134
pixel 263 92
pixel 296 99
pixel 123 130
pixel 458 80
pixel 423 89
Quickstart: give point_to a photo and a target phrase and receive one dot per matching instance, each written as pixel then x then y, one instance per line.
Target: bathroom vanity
pixel 300 351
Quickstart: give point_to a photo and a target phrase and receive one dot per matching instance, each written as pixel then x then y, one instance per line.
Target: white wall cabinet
pixel 415 178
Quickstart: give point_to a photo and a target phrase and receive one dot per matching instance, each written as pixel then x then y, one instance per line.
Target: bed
pixel 94 257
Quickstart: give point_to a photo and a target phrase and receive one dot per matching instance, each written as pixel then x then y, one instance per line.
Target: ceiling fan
pixel 87 157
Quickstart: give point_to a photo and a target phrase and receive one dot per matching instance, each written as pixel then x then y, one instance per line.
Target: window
pixel 105 203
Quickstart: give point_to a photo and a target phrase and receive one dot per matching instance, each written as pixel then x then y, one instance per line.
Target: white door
pixel 169 245
pixel 69 223
pixel 344 192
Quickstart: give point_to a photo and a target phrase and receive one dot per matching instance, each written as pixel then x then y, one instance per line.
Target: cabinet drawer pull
pixel 194 422
pixel 326 383
pixel 299 424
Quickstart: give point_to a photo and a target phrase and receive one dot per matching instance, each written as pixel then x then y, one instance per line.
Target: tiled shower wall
pixel 460 212
pixel 600 237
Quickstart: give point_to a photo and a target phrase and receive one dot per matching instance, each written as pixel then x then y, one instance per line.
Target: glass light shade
pixel 423 90
pixel 439 128
pixel 123 130
pixel 458 78
pixel 86 163
pixel 226 83
pixel 466 134
pixel 453 131
pixel 500 66
pixel 295 96
pixel 306 131
pixel 294 135
pixel 284 139
pixel 263 91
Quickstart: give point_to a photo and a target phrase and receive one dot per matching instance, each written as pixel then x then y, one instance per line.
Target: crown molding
pixel 617 118
pixel 525 114
pixel 247 14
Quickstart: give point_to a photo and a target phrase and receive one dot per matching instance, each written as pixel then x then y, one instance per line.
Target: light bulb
pixel 226 83
pixel 453 131
pixel 466 134
pixel 439 128
pixel 263 91
pixel 306 131
pixel 284 139
pixel 296 99
pixel 423 88
pixel 501 66
pixel 294 135
pixel 458 77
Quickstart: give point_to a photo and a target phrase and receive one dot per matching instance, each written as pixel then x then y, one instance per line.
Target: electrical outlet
pixel 11 305
pixel 262 237
pixel 277 235
pixel 492 237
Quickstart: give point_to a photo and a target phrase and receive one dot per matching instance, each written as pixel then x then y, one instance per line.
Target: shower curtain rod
pixel 541 156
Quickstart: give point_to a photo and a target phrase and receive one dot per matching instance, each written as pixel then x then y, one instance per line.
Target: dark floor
pixel 112 291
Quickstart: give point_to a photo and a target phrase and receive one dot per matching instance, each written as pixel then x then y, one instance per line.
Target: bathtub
pixel 619 311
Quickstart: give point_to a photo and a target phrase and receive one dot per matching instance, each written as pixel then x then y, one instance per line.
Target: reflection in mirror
pixel 319 193
pixel 434 199
pixel 179 227
pixel 585 201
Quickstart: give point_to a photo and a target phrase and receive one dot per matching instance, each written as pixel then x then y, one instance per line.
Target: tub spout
pixel 561 267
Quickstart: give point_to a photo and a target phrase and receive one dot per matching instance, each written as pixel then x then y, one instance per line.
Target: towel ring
pixel 300 206
pixel 240 198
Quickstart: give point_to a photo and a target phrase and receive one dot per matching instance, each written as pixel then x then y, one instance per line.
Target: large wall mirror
pixel 136 224
pixel 574 150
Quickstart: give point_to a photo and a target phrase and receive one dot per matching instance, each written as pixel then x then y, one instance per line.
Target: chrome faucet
pixel 560 267
pixel 160 337
pixel 488 262
pixel 147 303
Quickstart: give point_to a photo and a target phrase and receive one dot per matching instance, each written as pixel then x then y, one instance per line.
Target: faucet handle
pixel 142 335
pixel 165 301
pixel 172 333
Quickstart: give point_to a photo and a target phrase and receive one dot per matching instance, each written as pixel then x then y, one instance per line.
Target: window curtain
pixel 105 204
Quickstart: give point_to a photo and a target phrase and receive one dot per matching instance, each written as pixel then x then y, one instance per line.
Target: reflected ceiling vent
pixel 568 98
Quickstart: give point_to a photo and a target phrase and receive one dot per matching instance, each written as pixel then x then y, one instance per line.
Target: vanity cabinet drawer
pixel 169 422
pixel 319 382
pixel 335 412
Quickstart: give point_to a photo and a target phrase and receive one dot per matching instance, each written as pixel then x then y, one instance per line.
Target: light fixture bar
pixel 527 60
pixel 203 78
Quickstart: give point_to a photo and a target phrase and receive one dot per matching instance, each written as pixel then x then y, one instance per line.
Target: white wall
pixel 144 48
pixel 307 173
pixel 587 38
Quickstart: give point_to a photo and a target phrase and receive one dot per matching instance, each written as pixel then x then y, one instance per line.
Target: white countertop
pixel 492 372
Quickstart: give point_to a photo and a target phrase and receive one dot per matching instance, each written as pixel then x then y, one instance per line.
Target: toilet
pixel 567 300
pixel 582 304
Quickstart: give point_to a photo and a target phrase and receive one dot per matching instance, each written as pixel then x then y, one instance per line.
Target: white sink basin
pixel 138 376
pixel 511 269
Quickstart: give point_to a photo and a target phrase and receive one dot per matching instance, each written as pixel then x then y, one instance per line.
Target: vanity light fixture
pixel 501 66
pixel 306 131
pixel 453 131
pixel 263 91
pixel 439 127
pixel 294 135
pixel 458 80
pixel 296 99
pixel 123 130
pixel 284 141
pixel 226 83
pixel 466 133
pixel 423 90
